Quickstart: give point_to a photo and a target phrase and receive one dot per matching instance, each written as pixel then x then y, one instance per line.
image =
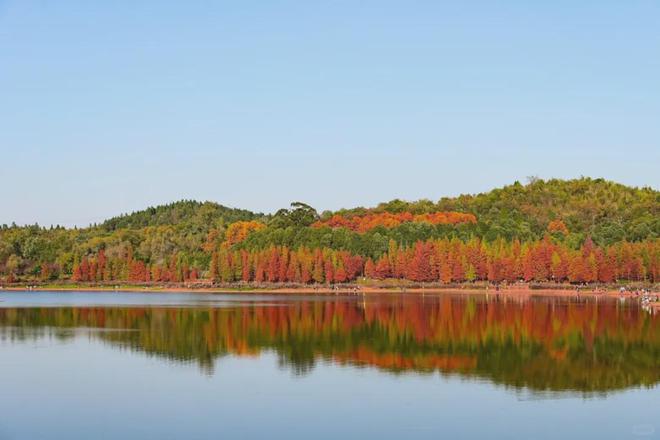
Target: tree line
pixel 440 261
pixel 445 261
pixel 190 240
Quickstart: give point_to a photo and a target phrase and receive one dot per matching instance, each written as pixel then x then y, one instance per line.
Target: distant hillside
pixel 184 211
pixel 169 241
pixel 606 211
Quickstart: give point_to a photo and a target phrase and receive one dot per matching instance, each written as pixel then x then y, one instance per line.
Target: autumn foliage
pixel 363 223
pixel 281 265
pixel 440 261
pixel 446 261
pixel 238 231
pixel 542 231
pixel 98 268
pixel 557 226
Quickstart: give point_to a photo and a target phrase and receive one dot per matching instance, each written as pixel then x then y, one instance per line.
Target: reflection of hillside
pixel 543 345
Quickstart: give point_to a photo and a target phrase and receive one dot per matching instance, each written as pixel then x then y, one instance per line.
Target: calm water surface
pixel 89 365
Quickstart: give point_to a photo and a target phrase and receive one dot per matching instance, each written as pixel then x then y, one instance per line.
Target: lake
pixel 92 365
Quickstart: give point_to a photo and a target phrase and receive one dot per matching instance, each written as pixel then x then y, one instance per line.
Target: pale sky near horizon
pixel 110 107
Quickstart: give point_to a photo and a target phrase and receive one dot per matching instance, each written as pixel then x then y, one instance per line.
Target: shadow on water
pixel 540 347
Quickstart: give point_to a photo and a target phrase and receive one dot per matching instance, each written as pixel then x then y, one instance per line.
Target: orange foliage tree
pixel 363 223
pixel 238 231
pixel 557 226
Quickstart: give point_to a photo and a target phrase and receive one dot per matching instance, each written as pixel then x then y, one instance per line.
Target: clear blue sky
pixel 107 107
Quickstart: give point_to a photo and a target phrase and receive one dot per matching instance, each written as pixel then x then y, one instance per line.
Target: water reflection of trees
pixel 550 345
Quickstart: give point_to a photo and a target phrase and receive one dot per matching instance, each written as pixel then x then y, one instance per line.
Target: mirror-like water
pixel 111 365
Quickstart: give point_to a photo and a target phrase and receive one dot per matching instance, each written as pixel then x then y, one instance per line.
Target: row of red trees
pixel 280 264
pixel 455 261
pixel 127 268
pixel 446 261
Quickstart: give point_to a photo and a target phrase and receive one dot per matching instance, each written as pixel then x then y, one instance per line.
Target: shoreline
pixel 517 291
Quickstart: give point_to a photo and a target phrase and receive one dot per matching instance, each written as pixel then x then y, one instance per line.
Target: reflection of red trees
pixel 437 333
pixel 395 361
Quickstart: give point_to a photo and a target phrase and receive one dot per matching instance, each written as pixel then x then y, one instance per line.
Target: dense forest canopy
pixel 185 212
pixel 606 211
pixel 189 239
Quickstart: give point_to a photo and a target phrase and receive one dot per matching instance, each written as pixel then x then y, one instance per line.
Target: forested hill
pixel 191 212
pixel 167 242
pixel 605 210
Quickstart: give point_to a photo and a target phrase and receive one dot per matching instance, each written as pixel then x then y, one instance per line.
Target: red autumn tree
pixel 273 265
pixel 420 268
pixel 329 271
pixel 382 269
pixel 370 269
